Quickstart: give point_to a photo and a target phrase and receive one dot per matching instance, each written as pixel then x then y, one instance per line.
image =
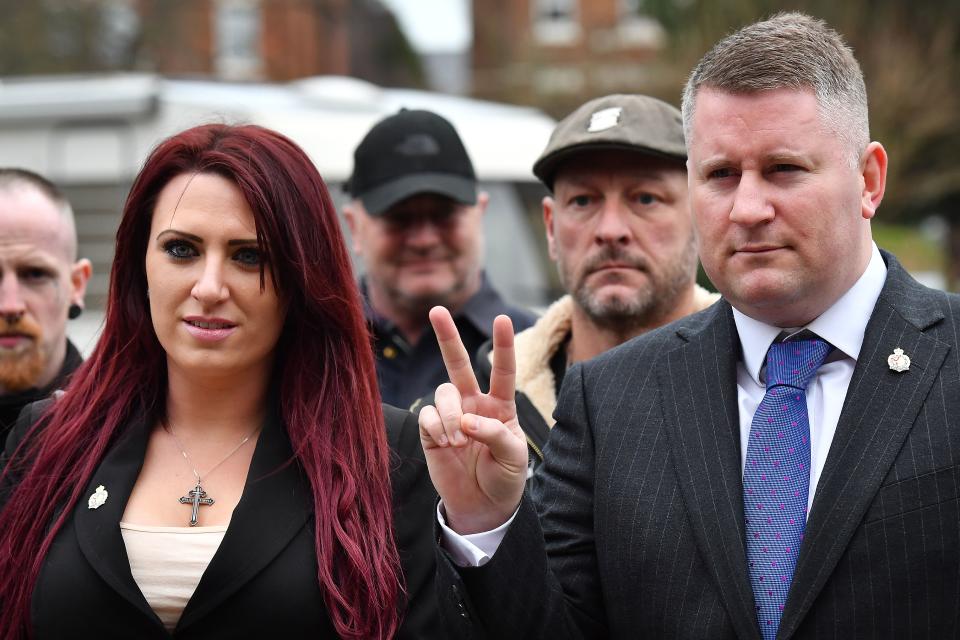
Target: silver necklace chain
pixel 186 456
pixel 197 497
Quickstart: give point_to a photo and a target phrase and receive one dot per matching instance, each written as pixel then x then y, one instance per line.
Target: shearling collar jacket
pixel 536 383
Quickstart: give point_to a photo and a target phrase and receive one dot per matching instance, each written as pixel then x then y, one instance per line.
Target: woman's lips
pixel 209 330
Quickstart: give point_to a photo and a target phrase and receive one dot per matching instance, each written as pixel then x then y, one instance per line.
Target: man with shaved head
pixel 42 283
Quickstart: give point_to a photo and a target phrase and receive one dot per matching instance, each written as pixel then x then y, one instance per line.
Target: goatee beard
pixel 22 370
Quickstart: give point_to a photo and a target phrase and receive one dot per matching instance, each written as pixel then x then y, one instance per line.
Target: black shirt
pixel 407 372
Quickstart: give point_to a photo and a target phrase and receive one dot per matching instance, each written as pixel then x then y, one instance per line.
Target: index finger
pixel 455 356
pixel 503 377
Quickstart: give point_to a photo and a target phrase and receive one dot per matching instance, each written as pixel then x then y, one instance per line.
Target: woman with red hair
pixel 220 466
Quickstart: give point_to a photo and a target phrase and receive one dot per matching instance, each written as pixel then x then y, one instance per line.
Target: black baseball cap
pixel 628 122
pixel 409 153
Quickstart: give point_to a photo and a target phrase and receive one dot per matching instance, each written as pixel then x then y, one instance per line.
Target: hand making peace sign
pixel 476 451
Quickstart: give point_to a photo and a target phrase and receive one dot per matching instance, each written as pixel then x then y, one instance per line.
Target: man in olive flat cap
pixel 619 229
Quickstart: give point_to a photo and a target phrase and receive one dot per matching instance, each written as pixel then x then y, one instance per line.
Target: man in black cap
pixel 619 228
pixel 416 221
pixel 41 284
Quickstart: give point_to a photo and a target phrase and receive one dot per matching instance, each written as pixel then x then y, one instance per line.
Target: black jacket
pixel 262 581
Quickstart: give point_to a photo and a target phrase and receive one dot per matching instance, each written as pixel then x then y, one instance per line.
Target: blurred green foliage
pixel 916 251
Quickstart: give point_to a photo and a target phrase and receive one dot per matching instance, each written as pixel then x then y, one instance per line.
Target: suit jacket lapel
pixel 98 530
pixel 275 505
pixel 699 390
pixel 878 412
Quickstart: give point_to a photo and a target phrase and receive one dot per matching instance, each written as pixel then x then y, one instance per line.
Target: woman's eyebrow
pixel 188 236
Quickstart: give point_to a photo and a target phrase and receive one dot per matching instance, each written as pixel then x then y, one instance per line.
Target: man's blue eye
pixel 646 198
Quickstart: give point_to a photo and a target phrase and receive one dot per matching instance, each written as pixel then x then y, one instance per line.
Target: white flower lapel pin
pixel 98 498
pixel 898 361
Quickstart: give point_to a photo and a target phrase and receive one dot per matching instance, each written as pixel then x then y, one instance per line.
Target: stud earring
pixel 74 311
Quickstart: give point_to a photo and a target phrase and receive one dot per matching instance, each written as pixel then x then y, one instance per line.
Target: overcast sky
pixel 434 25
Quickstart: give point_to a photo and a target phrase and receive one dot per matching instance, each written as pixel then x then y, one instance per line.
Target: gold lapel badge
pixel 898 361
pixel 98 498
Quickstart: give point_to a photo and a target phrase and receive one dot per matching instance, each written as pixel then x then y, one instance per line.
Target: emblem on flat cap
pixel 604 119
pixel 98 498
pixel 898 361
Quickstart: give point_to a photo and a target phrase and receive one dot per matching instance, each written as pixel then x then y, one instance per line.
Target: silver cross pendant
pixel 196 497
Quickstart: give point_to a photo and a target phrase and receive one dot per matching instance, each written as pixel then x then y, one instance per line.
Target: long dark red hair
pixel 328 397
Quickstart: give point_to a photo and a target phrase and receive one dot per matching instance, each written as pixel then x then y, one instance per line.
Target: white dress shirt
pixel 842 325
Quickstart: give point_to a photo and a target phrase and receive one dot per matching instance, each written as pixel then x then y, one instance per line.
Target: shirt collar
pixel 842 325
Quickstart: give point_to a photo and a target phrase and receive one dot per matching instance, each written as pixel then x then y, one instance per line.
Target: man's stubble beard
pixel 452 297
pixel 650 303
pixel 421 304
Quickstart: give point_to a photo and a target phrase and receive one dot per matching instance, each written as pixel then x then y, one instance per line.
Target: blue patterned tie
pixel 776 477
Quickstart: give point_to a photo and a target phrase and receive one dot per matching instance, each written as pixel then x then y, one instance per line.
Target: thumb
pixel 504 445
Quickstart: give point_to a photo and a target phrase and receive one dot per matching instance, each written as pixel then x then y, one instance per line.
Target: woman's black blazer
pixel 262 581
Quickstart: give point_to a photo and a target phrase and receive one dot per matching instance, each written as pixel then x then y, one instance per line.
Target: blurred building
pixel 277 40
pixel 556 54
pixel 235 40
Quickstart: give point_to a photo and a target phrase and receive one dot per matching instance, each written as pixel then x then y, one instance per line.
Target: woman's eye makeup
pixel 248 256
pixel 179 249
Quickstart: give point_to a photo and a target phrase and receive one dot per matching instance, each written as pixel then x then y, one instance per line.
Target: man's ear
pixel 354 218
pixel 483 199
pixel 548 208
pixel 80 274
pixel 873 171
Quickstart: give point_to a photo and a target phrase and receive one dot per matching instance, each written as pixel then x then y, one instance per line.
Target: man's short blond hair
pixel 788 50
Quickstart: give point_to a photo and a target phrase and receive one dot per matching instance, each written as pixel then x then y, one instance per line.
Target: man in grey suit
pixel 784 464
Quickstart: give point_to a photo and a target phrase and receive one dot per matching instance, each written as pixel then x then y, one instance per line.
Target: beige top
pixel 167 563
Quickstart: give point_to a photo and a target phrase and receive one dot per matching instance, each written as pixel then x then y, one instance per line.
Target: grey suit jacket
pixel 640 496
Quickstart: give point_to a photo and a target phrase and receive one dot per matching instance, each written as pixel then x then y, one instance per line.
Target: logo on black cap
pixel 418 144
